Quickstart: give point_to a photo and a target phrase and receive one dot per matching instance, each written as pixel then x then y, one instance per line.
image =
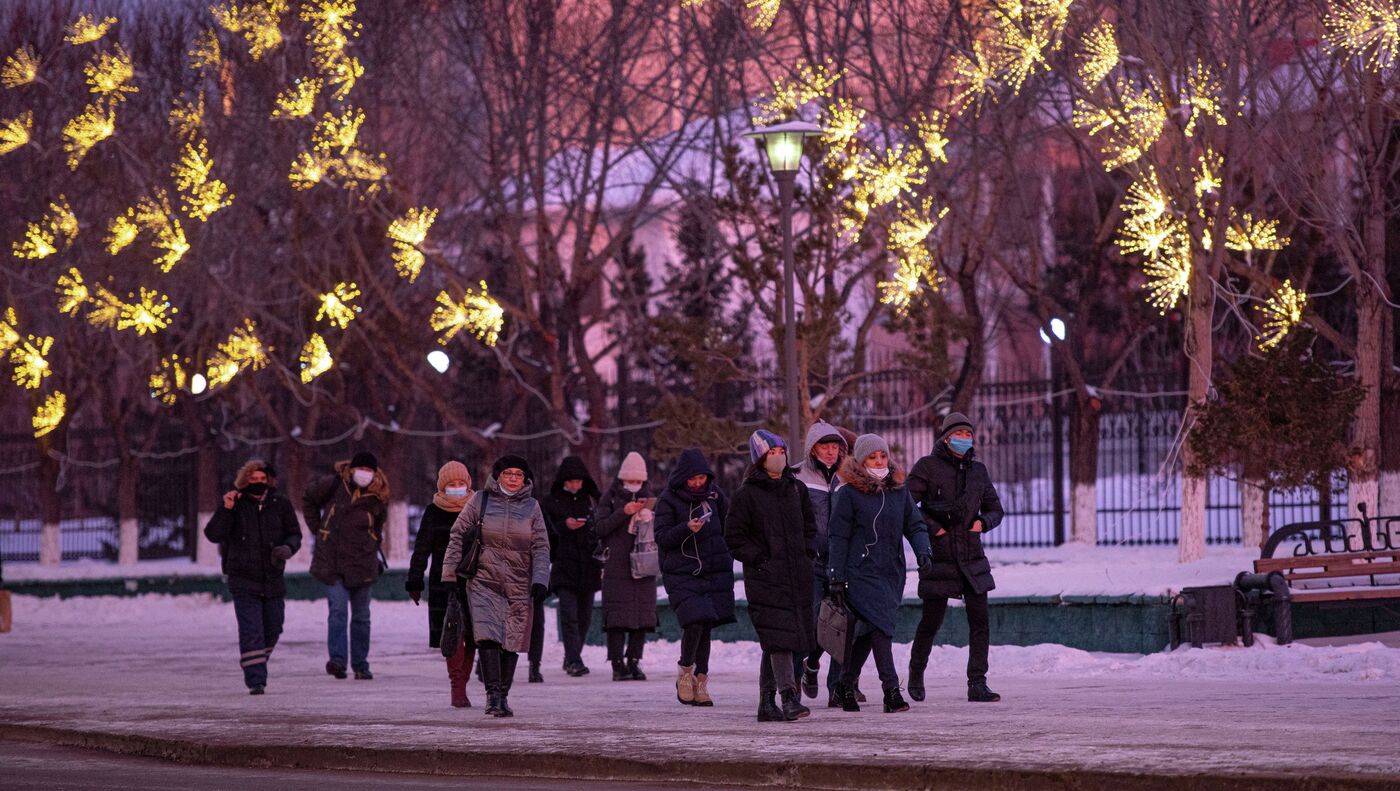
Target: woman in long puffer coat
pixel 512 574
pixel 574 575
pixel 696 567
pixel 629 604
pixel 434 531
pixel 771 530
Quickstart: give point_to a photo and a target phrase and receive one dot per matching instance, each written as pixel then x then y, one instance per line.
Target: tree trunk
pixel 1200 314
pixel 129 527
pixel 1254 512
pixel 1389 502
pixel 396 526
pixel 1363 469
pixel 1084 469
pixel 50 506
pixel 975 359
pixel 209 498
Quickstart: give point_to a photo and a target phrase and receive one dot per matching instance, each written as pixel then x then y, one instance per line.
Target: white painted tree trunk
pixel 396 532
pixel 1191 541
pixel 206 552
pixel 1251 513
pixel 50 545
pixel 1200 358
pixel 1084 514
pixel 128 542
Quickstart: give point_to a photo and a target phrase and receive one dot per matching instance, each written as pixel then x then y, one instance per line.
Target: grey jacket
pixel 819 490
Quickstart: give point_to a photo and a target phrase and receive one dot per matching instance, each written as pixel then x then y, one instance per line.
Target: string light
pixel 407 235
pixel 900 171
pixel 477 313
pixel 155 215
pixel 974 75
pixel 1203 97
pixel 1210 166
pixel 913 273
pixel 362 171
pixel 914 225
pixel 1145 201
pixel 932 132
pixel 29 359
pixel 242 351
pixel 259 23
pixel 332 29
pixel 121 231
pixel 205 52
pixel 56 230
pixel 1368 29
pixel 841 121
pixel 1131 126
pixel 86 29
pixel 807 84
pixel 297 101
pixel 105 310
pixel 1282 312
pixel 147 314
pixel 1245 234
pixel 335 305
pixel 200 195
pixel 9 331
pixel 337 132
pixel 169 379
pixel 307 170
pixel 49 415
pixel 187 117
pixel 72 292
pixel 765 12
pixel 109 74
pixel 315 358
pixel 20 68
pixel 1099 56
pixel 15 133
pixel 89 128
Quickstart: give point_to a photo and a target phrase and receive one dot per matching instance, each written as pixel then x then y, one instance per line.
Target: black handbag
pixel 836 626
pixel 453 625
pixel 471 542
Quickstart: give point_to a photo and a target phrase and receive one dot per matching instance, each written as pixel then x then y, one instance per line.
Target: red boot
pixel 459 669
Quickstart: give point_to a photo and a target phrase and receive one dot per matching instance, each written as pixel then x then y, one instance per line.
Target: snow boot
pixel 845 697
pixel 702 690
pixel 535 676
pixel 809 679
pixel 860 696
pixel 258 690
pixel 916 681
pixel 685 684
pixel 768 710
pixel 335 669
pixel 488 663
pixel 580 669
pixel 792 705
pixel 634 670
pixel 894 702
pixel 620 671
pixel 977 692
pixel 364 675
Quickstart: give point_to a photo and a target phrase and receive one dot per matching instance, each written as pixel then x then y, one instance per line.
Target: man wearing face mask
pixel 257 531
pixel 820 472
pixel 346 512
pixel 574 575
pixel 959 503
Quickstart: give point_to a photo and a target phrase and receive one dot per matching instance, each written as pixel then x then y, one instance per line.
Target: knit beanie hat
pixel 365 459
pixel 761 441
pixel 511 461
pixel 634 468
pixel 453 470
pixel 952 422
pixel 867 444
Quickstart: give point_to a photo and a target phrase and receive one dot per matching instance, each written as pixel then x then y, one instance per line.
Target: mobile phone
pixel 705 517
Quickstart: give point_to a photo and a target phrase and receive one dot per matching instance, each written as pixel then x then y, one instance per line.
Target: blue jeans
pixel 259 625
pixel 356 600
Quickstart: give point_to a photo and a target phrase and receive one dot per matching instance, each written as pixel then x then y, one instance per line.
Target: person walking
pixel 346 512
pixel 257 532
pixel 771 529
pixel 820 471
pixel 696 568
pixel 624 517
pixel 454 487
pixel 512 573
pixel 574 574
pixel 871 517
pixel 956 494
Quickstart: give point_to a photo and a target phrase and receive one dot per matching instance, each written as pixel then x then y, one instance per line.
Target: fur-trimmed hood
pixel 853 473
pixel 246 471
pixel 378 488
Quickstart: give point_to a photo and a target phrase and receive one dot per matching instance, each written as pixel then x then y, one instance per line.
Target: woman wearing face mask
pixel 696 567
pixel 629 604
pixel 434 531
pixel 771 530
pixel 574 575
pixel 959 502
pixel 871 517
pixel 345 513
pixel 512 573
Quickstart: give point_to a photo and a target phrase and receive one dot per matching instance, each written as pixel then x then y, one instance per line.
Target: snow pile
pixel 1078 570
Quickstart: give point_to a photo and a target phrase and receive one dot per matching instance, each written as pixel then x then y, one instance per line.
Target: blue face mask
pixel 960 445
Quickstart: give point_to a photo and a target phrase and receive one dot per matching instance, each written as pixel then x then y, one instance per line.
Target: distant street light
pixel 198 384
pixel 439 360
pixel 783 144
pixel 1057 328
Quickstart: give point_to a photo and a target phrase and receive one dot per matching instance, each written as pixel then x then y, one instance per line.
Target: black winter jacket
pixel 771 530
pixel 429 548
pixel 954 492
pixel 696 567
pixel 571 551
pixel 246 535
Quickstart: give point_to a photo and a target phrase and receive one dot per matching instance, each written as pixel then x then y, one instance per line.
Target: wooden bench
pixel 1355 575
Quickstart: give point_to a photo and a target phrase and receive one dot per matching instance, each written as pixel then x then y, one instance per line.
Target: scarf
pixel 451 504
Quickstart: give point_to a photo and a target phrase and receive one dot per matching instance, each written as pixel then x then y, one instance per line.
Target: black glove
pixel 281 552
pixel 837 592
pixel 539 592
pixel 924 562
pixel 462 590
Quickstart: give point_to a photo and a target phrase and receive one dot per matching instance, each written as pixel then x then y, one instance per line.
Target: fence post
pixel 1057 433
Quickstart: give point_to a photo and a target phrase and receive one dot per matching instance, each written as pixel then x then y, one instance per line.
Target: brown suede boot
pixel 685 684
pixel 702 690
pixel 459 669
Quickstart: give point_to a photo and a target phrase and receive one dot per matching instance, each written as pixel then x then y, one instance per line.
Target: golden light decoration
pixel 258 22
pixel 49 415
pixel 337 133
pixel 407 234
pixel 1022 47
pixel 1145 201
pixel 914 272
pixel 478 313
pixel 121 232
pixel 1150 238
pixel 1131 124
pixel 200 194
pixel 341 72
pixel 332 29
pixel 886 179
pixel 914 225
pixel 170 379
pixel 315 358
pixel 841 121
pixel 1099 56
pixel 155 216
pixel 205 52
pixel 29 359
pixel 243 351
pixel 1282 312
pixel 765 12
pixel 297 101
pixel 974 75
pixel 1208 176
pixel 187 117
pixel 87 29
pixel 109 74
pixel 1203 97
pixel 148 313
pixel 105 309
pixel 1246 234
pixel 20 68
pixel 336 307
pixel 806 85
pixel 1367 29
pixel 361 170
pixel 308 170
pixel 72 292
pixel 93 125
pixel 9 330
pixel 55 231
pixel 16 132
pixel 932 131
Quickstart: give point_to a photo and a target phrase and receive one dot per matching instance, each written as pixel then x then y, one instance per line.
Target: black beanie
pixel 365 459
pixel 952 422
pixel 511 460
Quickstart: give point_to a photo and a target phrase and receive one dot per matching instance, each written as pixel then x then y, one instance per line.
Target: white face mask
pixel 878 472
pixel 632 487
pixel 775 463
pixel 455 491
pixel 363 478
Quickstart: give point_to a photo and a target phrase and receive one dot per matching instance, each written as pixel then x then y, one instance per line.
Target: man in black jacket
pixel 574 574
pixel 257 532
pixel 957 497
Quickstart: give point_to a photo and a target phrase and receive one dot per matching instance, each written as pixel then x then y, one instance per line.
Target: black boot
pixel 508 662
pixel 894 702
pixel 809 679
pixel 768 710
pixel 846 697
pixel 792 705
pixel 620 671
pixel 488 661
pixel 535 676
pixel 916 682
pixel 977 692
pixel 634 670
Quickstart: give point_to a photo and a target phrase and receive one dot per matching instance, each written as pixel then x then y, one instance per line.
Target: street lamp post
pixel 1057 429
pixel 783 145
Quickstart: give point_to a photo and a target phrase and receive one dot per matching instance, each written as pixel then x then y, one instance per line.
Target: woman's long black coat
pixel 771 529
pixel 696 567
pixel 434 530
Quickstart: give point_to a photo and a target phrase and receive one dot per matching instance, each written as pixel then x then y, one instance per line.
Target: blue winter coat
pixel 870 520
pixel 696 568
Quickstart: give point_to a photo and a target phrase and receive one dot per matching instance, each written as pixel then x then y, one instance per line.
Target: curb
pixel 769 774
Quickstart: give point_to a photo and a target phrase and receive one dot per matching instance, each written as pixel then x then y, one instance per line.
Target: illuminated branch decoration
pixel 932 132
pixel 155 216
pixel 336 309
pixel 315 359
pixel 121 232
pixel 1130 125
pixel 49 415
pixel 20 68
pixel 809 84
pixel 205 53
pixel 258 22
pixel 1282 312
pixel 1203 97
pixel 1246 234
pixel 200 195
pixel 407 234
pixel 109 75
pixel 331 31
pixel 86 29
pixel 29 359
pixel 72 292
pixel 477 313
pixel 93 125
pixel 765 12
pixel 170 379
pixel 187 118
pixel 297 101
pixel 1366 29
pixel 146 313
pixel 1100 54
pixel 16 132
pixel 54 232
pixel 242 351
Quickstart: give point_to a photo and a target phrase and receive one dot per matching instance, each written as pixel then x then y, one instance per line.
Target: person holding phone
pixel 629 603
pixel 574 575
pixel 696 567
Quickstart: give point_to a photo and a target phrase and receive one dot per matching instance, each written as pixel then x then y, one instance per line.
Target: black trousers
pixel 575 619
pixel 978 633
pixel 633 639
pixel 537 633
pixel 775 674
pixel 873 642
pixel 695 647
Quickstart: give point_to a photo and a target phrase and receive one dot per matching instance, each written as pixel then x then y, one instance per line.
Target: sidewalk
pixel 159 678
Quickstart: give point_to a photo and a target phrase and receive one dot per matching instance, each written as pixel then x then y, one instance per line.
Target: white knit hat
pixel 634 468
